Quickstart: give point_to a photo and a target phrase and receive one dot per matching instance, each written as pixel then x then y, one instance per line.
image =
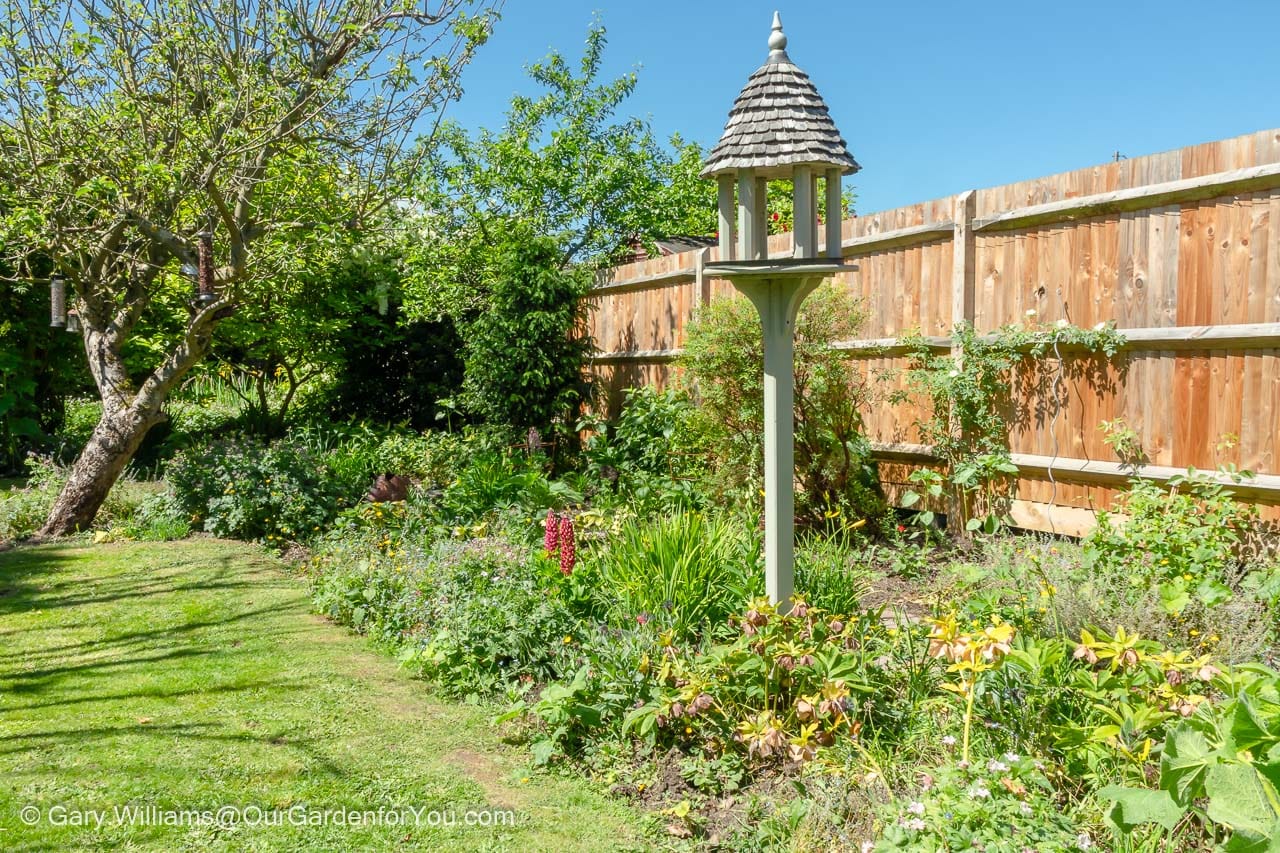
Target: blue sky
pixel 933 98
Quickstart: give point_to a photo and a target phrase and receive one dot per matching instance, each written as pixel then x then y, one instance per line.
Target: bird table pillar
pixel 778 129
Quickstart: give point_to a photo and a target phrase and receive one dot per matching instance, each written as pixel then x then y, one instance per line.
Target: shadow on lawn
pixel 41 742
pixel 123 642
pixel 32 579
pixel 99 679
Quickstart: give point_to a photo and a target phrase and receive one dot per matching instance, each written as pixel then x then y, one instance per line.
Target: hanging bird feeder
pixel 57 301
pixel 205 294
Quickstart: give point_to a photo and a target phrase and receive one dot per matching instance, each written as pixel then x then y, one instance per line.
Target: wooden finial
pixel 777 39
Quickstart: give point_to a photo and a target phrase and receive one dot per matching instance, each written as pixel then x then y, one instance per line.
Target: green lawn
pixel 191 676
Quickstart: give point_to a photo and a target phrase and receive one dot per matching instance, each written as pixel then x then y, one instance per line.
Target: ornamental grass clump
pixel 687 573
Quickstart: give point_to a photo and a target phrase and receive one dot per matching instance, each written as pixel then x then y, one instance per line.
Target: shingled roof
pixel 778 122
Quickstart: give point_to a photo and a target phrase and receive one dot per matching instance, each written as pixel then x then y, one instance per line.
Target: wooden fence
pixel 1181 250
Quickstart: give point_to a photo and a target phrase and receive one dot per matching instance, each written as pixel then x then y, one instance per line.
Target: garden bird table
pixel 778 129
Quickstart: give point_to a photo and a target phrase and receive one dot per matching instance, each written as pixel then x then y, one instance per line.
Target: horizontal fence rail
pixel 1179 251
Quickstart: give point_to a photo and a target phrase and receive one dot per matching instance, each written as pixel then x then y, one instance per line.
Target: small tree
pixel 128 126
pixel 723 361
pixel 524 354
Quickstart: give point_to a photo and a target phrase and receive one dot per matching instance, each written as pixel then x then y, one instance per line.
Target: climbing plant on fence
pixel 973 407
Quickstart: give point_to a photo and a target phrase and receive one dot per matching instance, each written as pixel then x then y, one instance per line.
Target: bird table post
pixel 779 129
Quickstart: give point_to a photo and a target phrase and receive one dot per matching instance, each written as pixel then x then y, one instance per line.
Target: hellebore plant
pixel 971 654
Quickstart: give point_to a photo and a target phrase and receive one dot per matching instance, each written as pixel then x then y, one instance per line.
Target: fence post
pixel 963 262
pixel 964 269
pixel 699 277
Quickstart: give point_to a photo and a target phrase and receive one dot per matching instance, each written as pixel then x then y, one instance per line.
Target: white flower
pixel 1083 841
pixel 997 766
pixel 915 823
pixel 948 741
pixel 979 792
pixel 1012 757
pixel 867 847
pixel 953 374
pixel 1100 326
pixel 1031 312
pixel 916 808
pixel 1062 324
pixel 1025 808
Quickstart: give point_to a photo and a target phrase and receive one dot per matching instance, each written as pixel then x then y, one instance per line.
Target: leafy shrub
pixel 525 350
pixel 247 489
pixel 687 573
pixel 650 454
pixel 159 518
pixel 497 481
pixel 1220 767
pixel 785 686
pixel 1186 538
pixel 495 621
pixel 724 361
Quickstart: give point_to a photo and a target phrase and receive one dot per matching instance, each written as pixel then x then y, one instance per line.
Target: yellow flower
pixel 1193 632
pixel 567 639
pixel 1186 576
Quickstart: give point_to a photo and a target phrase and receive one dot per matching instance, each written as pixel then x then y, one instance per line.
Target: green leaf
pixel 1183 763
pixel 1136 806
pixel 1213 593
pixel 910 499
pixel 1238 799
pixel 542 751
pixel 1174 596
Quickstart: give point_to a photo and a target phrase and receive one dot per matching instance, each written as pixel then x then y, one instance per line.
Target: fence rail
pixel 1181 250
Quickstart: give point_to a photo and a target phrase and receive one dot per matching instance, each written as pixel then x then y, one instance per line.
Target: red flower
pixel 775 217
pixel 642 619
pixel 549 538
pixel 901 529
pixel 568 553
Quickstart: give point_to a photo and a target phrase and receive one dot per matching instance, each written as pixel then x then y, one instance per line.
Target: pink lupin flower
pixel 568 553
pixel 549 538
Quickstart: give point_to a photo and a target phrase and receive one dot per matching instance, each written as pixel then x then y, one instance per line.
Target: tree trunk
pixel 113 444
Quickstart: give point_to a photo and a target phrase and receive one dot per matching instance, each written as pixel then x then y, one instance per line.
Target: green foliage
pixel 785 686
pixel 686 573
pixel 474 621
pixel 564 165
pixel 23 510
pixel 38 367
pixel 829 575
pixel 247 489
pixel 1220 765
pixel 396 370
pixel 1188 539
pixel 524 353
pixel 1005 804
pixel 970 397
pixel 650 454
pixel 159 518
pixel 724 362
pixel 494 480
